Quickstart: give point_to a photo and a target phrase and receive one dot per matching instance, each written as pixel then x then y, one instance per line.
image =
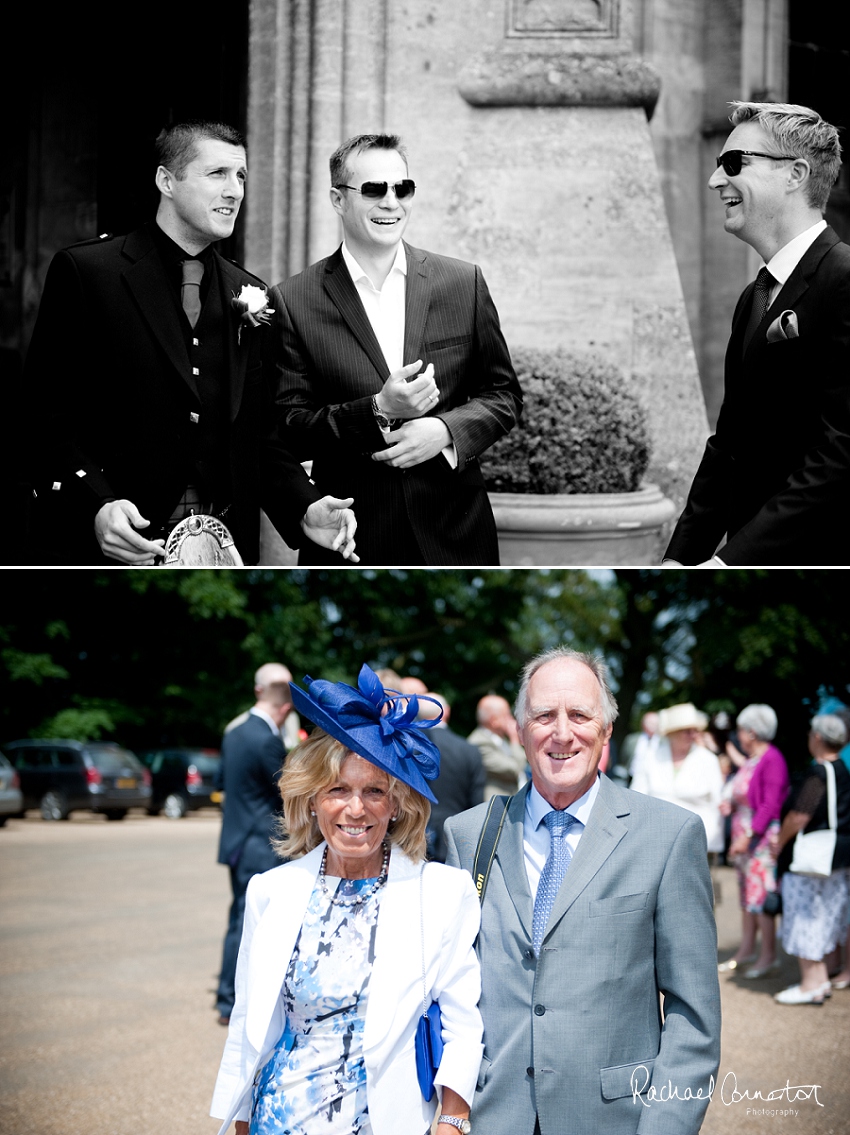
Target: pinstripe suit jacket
pixel 572 1034
pixel 330 364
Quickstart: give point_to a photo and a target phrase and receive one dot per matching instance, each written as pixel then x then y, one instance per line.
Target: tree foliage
pixel 149 657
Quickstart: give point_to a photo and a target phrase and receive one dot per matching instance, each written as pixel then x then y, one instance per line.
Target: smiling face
pixel 373 227
pixel 202 206
pixel 563 731
pixel 756 200
pixel 353 814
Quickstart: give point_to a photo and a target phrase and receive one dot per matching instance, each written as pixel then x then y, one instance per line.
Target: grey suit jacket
pixel 575 1035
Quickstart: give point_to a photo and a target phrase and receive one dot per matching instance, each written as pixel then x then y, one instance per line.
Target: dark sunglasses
pixel 732 160
pixel 377 190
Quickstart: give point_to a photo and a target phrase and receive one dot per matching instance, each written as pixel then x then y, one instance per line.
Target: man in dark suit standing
pixel 148 378
pixel 777 469
pixel 460 784
pixel 252 756
pixel 352 335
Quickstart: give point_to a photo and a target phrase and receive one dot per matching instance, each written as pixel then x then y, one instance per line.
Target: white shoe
pixel 733 964
pixel 794 995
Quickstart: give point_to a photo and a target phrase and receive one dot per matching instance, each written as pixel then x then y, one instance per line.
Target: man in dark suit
pixel 252 756
pixel 147 382
pixel 777 470
pixel 460 784
pixel 352 333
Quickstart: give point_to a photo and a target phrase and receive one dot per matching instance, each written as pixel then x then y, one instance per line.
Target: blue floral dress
pixel 315 1081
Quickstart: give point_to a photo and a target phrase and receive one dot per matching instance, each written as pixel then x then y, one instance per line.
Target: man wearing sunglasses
pixel 393 374
pixel 778 466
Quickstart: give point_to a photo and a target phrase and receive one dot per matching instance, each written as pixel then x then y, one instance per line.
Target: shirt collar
pixel 357 273
pixel 262 713
pixel 536 807
pixel 172 253
pixel 789 256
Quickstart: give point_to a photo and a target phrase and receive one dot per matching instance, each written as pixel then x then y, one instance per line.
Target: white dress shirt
pixel 789 256
pixel 384 309
pixel 535 835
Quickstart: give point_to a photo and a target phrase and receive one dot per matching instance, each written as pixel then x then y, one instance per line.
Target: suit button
pixel 530 1072
pixel 539 1010
pixel 528 955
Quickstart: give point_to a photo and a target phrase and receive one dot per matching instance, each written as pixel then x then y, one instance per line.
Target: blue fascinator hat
pixel 379 725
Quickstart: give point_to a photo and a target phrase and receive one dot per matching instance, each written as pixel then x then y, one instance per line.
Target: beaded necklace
pixel 338 899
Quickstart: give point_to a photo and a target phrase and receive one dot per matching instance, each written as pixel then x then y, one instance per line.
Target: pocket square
pixel 783 327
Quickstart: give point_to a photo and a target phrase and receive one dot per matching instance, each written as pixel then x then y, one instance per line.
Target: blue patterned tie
pixel 558 823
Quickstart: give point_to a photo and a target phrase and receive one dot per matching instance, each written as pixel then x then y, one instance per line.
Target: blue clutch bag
pixel 429 1049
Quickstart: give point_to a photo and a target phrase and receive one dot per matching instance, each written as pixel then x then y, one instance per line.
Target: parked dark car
pixel 61 777
pixel 11 798
pixel 182 780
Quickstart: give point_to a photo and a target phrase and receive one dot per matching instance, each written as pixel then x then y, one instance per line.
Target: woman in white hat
pixel 683 771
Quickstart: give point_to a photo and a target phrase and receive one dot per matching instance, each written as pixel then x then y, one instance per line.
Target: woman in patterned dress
pixel 814 909
pixel 756 794
pixel 344 945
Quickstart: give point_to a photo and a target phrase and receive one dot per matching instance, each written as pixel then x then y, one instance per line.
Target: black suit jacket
pixel 114 397
pixel 776 473
pixel 251 761
pixel 330 365
pixel 459 786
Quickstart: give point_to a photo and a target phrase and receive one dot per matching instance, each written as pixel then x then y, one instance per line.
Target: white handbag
pixel 813 852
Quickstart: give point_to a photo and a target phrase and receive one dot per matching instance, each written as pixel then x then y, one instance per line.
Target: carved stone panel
pixel 560 18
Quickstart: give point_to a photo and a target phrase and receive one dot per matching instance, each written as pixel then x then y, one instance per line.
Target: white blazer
pixel 697 784
pixel 275 905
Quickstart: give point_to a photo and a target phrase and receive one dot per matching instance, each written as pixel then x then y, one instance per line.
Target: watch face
pixel 466 1126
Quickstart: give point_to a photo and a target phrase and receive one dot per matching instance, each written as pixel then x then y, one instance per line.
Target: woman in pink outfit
pixel 757 792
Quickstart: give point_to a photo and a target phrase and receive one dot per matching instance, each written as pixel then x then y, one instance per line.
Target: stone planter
pixel 581 529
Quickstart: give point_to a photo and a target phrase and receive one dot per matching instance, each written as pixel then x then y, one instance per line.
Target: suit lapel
pixel 417 297
pixel 237 352
pixel 145 278
pixel 510 857
pixel 796 285
pixel 342 292
pixel 604 831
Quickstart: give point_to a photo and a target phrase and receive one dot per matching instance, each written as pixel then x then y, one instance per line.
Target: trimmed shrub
pixel 581 431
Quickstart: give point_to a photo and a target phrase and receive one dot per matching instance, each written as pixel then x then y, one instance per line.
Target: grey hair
pixel 593 662
pixel 761 719
pixel 800 131
pixel 831 729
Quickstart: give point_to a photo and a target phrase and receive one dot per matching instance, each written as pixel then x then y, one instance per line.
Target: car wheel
pixel 54 806
pixel 116 813
pixel 174 806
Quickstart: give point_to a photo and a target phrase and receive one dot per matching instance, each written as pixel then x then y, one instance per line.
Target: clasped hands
pixel 410 395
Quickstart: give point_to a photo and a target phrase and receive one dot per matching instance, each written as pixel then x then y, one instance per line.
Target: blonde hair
pixel 316 764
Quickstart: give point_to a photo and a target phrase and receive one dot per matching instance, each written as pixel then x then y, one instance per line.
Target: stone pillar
pixel 559 191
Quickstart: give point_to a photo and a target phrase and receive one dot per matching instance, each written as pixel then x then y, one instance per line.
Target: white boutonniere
pixel 252 307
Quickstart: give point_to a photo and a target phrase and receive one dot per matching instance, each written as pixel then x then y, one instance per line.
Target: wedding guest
pixel 342 944
pixel 754 800
pixel 814 918
pixel 148 401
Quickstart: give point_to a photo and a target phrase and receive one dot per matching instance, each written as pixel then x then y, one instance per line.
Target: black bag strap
pixel 486 850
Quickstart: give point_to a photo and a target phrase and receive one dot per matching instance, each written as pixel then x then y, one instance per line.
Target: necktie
pixel 190 290
pixel 761 300
pixel 558 823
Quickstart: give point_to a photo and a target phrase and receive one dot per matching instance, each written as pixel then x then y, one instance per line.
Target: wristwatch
pixel 463 1125
pixel 381 418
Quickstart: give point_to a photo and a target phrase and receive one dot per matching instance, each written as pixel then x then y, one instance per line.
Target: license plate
pixel 125 782
pixel 216 797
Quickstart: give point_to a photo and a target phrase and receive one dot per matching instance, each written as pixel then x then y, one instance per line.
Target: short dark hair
pixel 339 158
pixel 177 146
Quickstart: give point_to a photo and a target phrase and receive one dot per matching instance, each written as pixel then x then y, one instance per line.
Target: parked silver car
pixel 11 797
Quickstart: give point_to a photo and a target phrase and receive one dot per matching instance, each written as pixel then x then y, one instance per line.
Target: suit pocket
pixel 626 1079
pixel 482 1073
pixel 618 904
pixel 441 344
